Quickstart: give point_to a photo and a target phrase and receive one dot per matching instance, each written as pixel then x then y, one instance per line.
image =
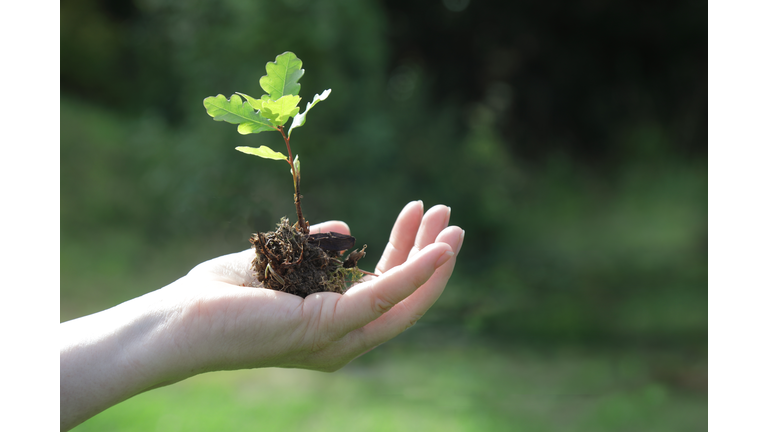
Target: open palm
pixel 228 326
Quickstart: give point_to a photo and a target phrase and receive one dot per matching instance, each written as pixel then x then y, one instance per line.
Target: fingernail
pixel 444 258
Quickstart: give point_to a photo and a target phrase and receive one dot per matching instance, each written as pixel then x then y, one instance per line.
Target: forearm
pixel 110 356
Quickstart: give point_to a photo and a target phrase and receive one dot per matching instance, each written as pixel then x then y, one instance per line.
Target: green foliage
pixel 299 120
pixel 282 76
pixel 236 112
pixel 272 110
pixel 279 111
pixel 256 104
pixel 263 152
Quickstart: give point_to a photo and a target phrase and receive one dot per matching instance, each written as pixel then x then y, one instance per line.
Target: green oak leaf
pixel 299 120
pixel 254 128
pixel 279 111
pixel 263 151
pixel 236 112
pixel 282 76
pixel 253 102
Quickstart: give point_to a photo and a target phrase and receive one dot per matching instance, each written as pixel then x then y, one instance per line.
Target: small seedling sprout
pixel 270 113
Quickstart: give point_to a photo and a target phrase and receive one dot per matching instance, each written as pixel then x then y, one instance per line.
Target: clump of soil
pixel 291 261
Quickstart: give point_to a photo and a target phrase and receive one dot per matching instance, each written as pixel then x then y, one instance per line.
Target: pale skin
pixel 207 321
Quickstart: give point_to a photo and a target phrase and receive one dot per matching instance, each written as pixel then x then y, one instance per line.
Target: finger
pixel 330 226
pixel 402 237
pixel 434 221
pixel 407 312
pixel 365 302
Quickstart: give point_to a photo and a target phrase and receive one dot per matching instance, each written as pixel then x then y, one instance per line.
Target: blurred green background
pixel 568 137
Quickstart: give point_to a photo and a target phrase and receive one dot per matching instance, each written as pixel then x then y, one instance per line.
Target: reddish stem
pixel 296 195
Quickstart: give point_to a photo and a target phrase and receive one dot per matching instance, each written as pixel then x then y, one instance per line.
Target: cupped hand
pixel 211 319
pixel 226 325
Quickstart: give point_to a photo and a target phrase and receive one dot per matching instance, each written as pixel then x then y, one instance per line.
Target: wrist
pixel 157 349
pixel 107 357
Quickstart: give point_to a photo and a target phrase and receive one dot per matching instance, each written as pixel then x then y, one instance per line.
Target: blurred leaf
pixel 299 120
pixel 282 76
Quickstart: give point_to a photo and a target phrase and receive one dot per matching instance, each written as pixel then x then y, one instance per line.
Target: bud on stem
pixel 303 227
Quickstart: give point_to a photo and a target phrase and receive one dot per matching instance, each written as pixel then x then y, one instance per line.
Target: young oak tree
pixel 288 259
pixel 270 113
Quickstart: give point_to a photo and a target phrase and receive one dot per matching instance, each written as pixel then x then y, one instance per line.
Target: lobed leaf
pixel 299 120
pixel 254 128
pixel 282 76
pixel 253 102
pixel 263 151
pixel 234 111
pixel 279 111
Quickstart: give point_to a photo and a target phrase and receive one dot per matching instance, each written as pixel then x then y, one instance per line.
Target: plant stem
pixel 296 195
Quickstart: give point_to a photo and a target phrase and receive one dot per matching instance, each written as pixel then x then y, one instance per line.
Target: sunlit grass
pixel 402 386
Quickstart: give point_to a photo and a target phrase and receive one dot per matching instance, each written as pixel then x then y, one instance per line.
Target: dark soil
pixel 290 261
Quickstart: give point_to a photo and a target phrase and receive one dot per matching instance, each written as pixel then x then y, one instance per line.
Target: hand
pixel 325 330
pixel 208 320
